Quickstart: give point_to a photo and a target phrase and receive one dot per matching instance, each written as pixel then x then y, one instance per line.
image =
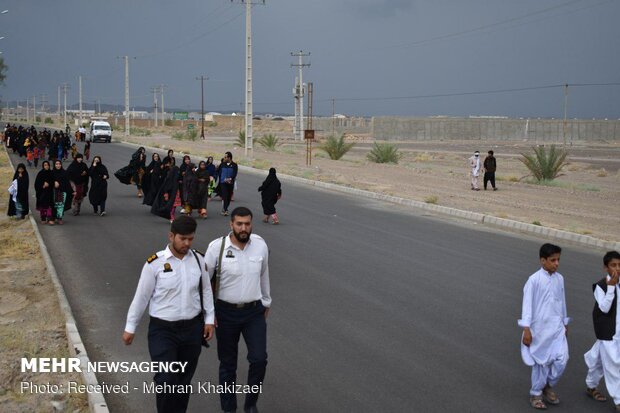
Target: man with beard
pixel 78 176
pixel 175 286
pixel 239 262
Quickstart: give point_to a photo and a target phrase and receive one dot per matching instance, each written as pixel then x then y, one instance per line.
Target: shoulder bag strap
pixel 218 270
pixel 202 307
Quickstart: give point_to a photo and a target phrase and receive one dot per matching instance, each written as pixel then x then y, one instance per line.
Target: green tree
pixel 543 165
pixel 336 147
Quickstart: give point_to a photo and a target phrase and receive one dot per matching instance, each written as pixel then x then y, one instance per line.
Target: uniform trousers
pixel 231 323
pixel 175 341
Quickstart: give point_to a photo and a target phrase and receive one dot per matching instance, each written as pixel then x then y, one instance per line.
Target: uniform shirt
pixel 244 273
pixel 171 295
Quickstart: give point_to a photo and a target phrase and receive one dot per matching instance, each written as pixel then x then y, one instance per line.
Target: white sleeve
pixel 264 282
pixel 207 296
pixel 604 300
pixel 144 292
pixel 528 302
pixel 567 319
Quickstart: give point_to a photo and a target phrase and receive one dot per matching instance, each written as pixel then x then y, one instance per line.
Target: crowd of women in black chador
pixel 37 145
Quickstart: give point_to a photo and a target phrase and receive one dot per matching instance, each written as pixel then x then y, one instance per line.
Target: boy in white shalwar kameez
pixel 544 320
pixel 603 360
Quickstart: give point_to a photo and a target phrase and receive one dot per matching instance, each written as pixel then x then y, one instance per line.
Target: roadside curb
pixel 490 220
pixel 96 401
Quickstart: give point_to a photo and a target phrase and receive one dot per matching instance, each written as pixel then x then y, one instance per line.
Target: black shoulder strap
pixel 218 270
pixel 199 284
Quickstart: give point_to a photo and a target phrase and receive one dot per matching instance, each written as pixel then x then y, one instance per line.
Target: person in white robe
pixel 474 164
pixel 544 346
pixel 603 359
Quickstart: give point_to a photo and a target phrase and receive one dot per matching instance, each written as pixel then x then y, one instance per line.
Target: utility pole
pixel 80 82
pixel 65 87
pixel 34 109
pixel 565 112
pixel 202 104
pixel 58 107
pixel 27 109
pixel 163 114
pixel 249 111
pixel 298 93
pixel 154 90
pixel 43 102
pixel 333 115
pixel 126 93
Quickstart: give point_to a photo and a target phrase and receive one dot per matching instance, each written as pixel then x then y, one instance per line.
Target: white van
pixel 100 131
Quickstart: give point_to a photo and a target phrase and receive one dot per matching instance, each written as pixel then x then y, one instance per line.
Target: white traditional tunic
pixel 544 312
pixel 603 359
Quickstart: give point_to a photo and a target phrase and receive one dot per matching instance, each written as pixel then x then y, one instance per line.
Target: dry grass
pixel 601 173
pixel 423 157
pixel 433 199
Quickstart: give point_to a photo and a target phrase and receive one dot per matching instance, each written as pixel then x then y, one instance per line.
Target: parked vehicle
pixel 100 131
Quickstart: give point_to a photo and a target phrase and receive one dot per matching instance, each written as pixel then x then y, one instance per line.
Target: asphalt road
pixel 376 307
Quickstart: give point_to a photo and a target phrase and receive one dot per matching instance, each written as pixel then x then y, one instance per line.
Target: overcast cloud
pixel 360 49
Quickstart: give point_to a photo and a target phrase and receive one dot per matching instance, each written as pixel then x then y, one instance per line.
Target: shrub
pixel 269 142
pixel 192 134
pixel 178 136
pixel 240 142
pixel 536 223
pixel 49 120
pixel 139 132
pixel 543 165
pixel 336 148
pixel 37 119
pixel 169 122
pixel 384 153
pixel 431 199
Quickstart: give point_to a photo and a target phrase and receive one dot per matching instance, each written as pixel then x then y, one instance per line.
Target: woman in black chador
pixel 151 181
pixel 99 186
pixel 18 203
pixel 271 192
pixel 167 198
pixel 44 189
pixel 63 193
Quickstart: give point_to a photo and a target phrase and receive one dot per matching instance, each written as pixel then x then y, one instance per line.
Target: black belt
pixel 226 304
pixel 176 324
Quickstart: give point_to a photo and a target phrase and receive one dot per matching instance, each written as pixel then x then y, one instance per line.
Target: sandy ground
pixel 585 200
pixel 31 323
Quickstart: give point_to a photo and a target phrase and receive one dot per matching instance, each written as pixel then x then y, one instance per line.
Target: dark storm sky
pixel 360 49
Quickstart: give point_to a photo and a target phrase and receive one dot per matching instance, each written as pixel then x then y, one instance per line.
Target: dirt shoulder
pixel 31 322
pixel 585 200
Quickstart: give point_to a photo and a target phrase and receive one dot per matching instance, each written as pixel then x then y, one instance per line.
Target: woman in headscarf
pixel 169 157
pixel 167 198
pixel 43 186
pixel 204 188
pixel 271 192
pixel 189 188
pixel 157 172
pixel 63 195
pixel 18 202
pixel 138 166
pixel 182 171
pixel 148 172
pixel 99 186
pixel 78 177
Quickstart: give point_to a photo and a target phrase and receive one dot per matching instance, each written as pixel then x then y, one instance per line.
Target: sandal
pixel 596 395
pixel 537 403
pixel 549 395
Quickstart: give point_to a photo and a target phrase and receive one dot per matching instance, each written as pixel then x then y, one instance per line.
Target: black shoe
pixel 495 189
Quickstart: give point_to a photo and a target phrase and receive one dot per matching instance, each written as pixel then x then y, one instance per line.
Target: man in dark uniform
pixel 181 314
pixel 240 260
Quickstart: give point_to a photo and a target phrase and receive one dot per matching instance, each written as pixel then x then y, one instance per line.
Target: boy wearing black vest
pixel 603 359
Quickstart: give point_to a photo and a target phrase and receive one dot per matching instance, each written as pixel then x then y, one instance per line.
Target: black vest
pixel 604 324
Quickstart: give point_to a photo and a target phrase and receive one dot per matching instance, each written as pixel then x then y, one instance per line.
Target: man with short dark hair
pixel 228 174
pixel 182 314
pixel 603 359
pixel 242 301
pixel 490 166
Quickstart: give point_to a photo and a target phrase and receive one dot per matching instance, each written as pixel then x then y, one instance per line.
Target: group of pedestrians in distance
pixel 489 166
pixel 545 322
pixel 164 186
pixel 57 189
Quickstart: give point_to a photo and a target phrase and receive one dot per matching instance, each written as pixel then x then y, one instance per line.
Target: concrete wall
pixel 538 130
